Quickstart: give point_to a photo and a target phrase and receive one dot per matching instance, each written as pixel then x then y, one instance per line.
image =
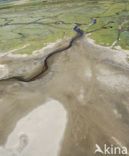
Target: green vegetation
pixel 37 23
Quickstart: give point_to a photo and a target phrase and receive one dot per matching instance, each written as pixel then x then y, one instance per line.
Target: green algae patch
pixel 30 48
pixel 112 26
pixel 35 46
pixel 104 37
pixel 39 23
pixel 124 40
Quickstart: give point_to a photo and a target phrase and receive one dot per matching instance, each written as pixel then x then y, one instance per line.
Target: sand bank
pixel 39 133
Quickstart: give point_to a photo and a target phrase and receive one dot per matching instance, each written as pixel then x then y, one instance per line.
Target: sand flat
pixel 89 86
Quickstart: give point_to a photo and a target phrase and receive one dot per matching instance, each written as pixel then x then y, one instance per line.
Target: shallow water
pixel 91 93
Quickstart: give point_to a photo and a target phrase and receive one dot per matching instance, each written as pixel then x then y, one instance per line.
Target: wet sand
pixel 90 87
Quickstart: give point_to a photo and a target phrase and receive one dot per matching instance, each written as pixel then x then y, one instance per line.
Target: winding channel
pixel 45 66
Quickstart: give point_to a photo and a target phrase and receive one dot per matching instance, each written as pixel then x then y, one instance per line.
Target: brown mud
pixel 92 87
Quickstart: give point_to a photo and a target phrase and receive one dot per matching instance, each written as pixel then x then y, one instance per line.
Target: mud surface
pixel 85 88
